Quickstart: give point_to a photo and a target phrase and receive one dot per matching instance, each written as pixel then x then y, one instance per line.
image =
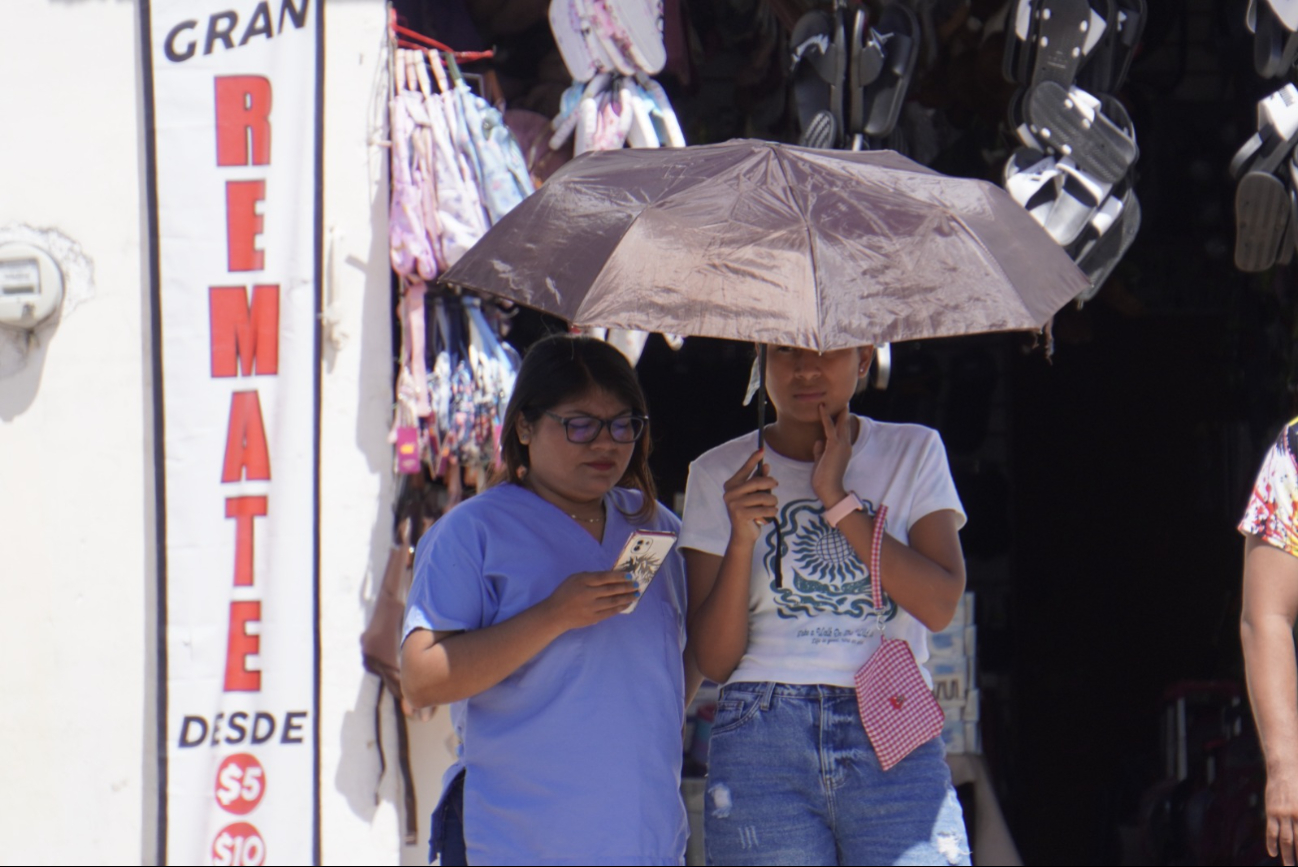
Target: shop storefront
pixel 211 450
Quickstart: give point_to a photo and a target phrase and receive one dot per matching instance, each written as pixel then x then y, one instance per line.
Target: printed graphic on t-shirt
pixel 1272 512
pixel 821 570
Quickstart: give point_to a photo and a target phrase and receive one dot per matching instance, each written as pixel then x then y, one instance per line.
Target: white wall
pixel 357 482
pixel 76 453
pixel 76 458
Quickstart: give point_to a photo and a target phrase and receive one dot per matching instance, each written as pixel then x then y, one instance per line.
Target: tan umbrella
pixel 756 241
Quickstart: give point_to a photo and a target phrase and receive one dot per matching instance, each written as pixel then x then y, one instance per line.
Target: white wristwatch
pixel 843 508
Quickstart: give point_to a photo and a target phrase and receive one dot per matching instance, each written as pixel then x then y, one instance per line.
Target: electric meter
pixel 31 286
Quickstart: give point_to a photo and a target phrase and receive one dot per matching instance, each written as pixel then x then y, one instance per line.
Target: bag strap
pixel 876 582
pixel 407 774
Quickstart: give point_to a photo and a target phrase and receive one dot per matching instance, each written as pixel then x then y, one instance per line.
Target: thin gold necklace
pixel 594 520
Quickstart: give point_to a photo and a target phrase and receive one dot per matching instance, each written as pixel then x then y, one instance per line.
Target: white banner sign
pixel 234 95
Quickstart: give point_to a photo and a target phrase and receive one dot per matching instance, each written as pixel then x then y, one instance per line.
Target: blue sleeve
pixel 674 569
pixel 449 592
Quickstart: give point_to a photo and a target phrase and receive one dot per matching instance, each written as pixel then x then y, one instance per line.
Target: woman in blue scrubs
pixel 569 716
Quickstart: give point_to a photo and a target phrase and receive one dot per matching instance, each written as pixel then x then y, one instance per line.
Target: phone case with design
pixel 643 555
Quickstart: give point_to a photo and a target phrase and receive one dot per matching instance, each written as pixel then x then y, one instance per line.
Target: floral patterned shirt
pixel 1272 512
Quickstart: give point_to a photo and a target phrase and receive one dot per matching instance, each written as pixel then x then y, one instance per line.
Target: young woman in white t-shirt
pixel 792 778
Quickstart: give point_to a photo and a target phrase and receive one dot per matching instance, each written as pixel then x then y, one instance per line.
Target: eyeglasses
pixel 583 429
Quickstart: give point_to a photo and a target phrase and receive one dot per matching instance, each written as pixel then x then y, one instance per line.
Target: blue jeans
pixel 792 779
pixel 447 839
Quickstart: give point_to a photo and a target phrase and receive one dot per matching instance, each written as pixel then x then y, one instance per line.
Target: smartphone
pixel 642 556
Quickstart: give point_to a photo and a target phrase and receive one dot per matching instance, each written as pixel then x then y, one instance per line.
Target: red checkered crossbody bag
pixel 897 707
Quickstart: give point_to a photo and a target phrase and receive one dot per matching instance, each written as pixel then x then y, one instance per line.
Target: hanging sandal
pixel 1131 18
pixel 1066 32
pixel 612 37
pixel 566 25
pixel 1032 179
pixel 898 32
pixel 1261 219
pixel 1287 12
pixel 641 21
pixel 1277 119
pixel 1018 121
pixel 1262 204
pixel 1020 34
pixel 1098 68
pixel 819 69
pixel 1107 239
pixel 1275 45
pixel 864 66
pixel 1071 122
pixel 1080 196
pixel 664 116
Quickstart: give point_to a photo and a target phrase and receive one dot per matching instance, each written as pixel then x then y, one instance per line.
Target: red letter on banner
pixel 242 645
pixel 246 454
pixel 243 224
pixel 250 330
pixel 243 510
pixel 242 118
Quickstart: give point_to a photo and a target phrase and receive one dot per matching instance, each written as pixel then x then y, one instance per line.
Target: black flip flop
pixel 1262 141
pixel 898 31
pixel 1248 152
pixel 1098 67
pixel 1099 261
pixel 1098 145
pixel 1268 43
pixel 1062 32
pixel 1130 24
pixel 1262 206
pixel 1019 125
pixel 819 67
pixel 1285 254
pixel 1261 221
pixel 1291 243
pixel 821 132
pixel 864 65
pixel 1020 35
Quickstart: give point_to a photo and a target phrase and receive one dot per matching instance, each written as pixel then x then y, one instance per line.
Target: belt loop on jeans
pixel 768 690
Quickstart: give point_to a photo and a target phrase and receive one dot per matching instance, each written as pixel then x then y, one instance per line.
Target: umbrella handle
pixel 761 400
pixel 761 443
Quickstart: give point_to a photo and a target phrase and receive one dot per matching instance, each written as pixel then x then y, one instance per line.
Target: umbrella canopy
pixel 757 241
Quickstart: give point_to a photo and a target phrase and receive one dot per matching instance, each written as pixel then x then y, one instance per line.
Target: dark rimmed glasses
pixel 582 429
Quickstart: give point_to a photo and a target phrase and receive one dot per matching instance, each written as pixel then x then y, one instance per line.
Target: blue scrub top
pixel 574 758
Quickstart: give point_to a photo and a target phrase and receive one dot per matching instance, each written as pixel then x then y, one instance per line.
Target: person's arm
pixel 926 577
pixel 718 622
pixel 1266 631
pixel 719 586
pixel 693 677
pixel 442 667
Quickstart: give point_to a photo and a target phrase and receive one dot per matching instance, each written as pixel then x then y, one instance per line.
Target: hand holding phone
pixel 641 557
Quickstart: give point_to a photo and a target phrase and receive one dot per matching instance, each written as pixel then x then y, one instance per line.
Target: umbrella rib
pixel 987 253
pixel 629 226
pixel 600 273
pixel 811 243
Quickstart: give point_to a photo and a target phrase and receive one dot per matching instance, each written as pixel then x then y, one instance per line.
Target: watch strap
pixel 843 508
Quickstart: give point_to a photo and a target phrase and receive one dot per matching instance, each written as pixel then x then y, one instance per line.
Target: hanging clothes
pixel 456 170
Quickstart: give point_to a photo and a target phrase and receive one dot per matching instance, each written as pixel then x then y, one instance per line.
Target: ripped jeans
pixel 792 779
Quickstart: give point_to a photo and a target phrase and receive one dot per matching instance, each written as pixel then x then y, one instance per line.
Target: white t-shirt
pixel 816 627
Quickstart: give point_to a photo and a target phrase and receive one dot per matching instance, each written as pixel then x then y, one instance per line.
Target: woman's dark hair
pixel 561 367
